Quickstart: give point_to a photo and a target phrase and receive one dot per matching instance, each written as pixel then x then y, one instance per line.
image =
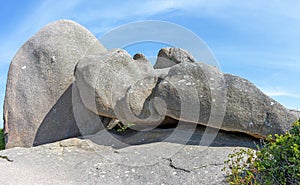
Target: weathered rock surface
pixel 115 85
pixel 87 122
pixel 81 161
pixel 198 93
pixel 131 91
pixel 295 112
pixel 38 101
pixel 250 111
pixel 168 57
pixel 188 95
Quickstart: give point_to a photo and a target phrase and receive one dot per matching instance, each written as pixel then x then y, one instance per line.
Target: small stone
pixel 53 59
pixel 251 124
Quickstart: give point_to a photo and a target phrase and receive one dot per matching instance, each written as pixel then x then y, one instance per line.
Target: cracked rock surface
pixel 80 161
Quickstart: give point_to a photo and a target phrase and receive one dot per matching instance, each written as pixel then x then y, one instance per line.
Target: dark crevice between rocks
pixel 175 167
pixel 163 132
pixel 225 138
pixel 168 122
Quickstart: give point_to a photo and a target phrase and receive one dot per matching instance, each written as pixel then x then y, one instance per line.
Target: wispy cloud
pixel 101 19
pixel 232 8
pixel 276 92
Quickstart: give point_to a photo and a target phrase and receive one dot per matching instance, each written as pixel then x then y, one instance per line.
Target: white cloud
pixel 230 8
pixel 277 92
pixel 123 10
pixel 104 15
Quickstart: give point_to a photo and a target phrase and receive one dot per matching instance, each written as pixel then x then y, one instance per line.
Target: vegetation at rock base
pixel 2 144
pixel 123 127
pixel 276 162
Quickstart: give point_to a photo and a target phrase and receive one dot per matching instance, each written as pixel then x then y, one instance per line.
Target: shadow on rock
pixel 59 123
pixel 183 133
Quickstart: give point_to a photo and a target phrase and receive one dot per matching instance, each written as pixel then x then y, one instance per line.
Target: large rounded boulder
pixel 38 102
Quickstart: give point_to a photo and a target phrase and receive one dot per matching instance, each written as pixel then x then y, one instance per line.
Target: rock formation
pixel 41 98
pixel 63 83
pixel 104 80
pixel 193 92
pixel 39 86
pixel 246 109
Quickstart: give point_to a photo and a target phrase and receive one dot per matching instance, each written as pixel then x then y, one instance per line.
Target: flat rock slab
pixel 78 161
pixel 137 157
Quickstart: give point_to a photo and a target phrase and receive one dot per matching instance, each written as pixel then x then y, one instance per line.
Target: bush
pixel 2 143
pixel 276 162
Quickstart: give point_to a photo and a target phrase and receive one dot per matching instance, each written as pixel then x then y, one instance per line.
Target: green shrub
pixel 276 162
pixel 124 127
pixel 2 143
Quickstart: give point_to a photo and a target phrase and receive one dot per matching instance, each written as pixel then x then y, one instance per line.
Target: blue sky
pixel 257 40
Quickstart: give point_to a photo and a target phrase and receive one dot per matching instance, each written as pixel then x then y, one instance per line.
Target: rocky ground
pixel 82 161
